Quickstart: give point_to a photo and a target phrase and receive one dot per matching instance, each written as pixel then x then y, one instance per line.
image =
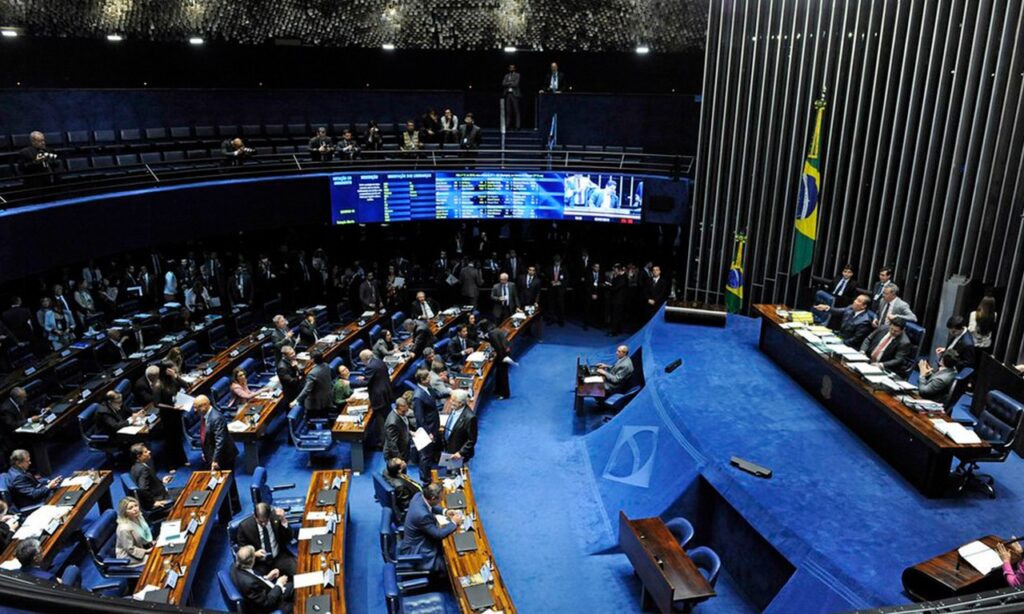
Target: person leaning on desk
pixel 423 535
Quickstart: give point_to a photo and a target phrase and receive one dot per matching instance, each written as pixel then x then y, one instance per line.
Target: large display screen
pixel 414 196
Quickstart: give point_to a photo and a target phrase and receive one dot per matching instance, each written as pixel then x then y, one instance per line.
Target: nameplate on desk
pixel 51 528
pixel 118 371
pixel 49 418
pixel 192 527
pixel 85 393
pixel 172 579
pixel 233 353
pixel 65 353
pixel 328 578
pixel 197 498
pixel 212 483
pixel 151 418
pixel 326 496
pixel 337 482
pixel 30 370
pixel 321 604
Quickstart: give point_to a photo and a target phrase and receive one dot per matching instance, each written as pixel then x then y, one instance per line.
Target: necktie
pixel 265 538
pixel 884 312
pixel 556 274
pixel 840 286
pixel 202 432
pixel 880 348
pixel 529 280
pixel 463 343
pixel 504 293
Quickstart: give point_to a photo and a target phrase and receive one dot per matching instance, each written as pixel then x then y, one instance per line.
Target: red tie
pixel 877 354
pixel 202 431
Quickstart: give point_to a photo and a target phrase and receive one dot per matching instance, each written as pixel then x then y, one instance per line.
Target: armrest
pixel 108 586
pixel 282 487
pixel 115 561
pixel 412 584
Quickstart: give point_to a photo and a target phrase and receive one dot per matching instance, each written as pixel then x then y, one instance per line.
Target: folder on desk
pixel 70 498
pixel 320 543
pixel 479 596
pixel 321 604
pixel 326 496
pixel 157 596
pixel 197 498
pixel 465 542
pixel 455 501
pixel 173 548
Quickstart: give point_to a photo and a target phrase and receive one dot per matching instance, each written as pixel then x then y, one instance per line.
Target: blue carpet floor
pixel 550 492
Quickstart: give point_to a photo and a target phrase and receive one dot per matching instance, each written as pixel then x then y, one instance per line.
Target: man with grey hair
pixel 378 387
pixel 27 489
pixel 459 427
pixel 260 593
pixel 616 376
pixel 145 386
pixel 27 555
pixel 282 335
pixel 892 307
pixel 439 377
pixel 422 336
pixel 36 163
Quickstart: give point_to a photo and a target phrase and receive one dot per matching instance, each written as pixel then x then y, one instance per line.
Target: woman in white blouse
pixel 982 323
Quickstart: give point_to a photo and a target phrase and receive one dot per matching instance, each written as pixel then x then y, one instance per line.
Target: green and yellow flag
pixel 809 198
pixel 734 282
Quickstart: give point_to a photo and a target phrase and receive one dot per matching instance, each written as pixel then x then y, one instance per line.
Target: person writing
pixel 134 537
pixel 615 376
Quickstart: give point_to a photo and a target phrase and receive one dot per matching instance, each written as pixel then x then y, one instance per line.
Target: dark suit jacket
pixel 965 351
pixel 318 393
pixel 150 487
pixel 462 436
pixel 378 384
pixel 308 333
pixel 280 339
pixel 422 337
pixel 529 293
pixel 259 598
pixel 219 445
pixel 29 165
pixel 424 406
pixel 657 291
pixel 405 490
pixel 422 535
pixel 469 136
pixel 249 534
pixel 562 85
pixel 896 356
pixel 142 392
pixel 19 320
pixel 849 292
pixel 397 439
pixel 369 295
pixel 853 328
pixel 10 420
pixel 500 310
pixel 289 378
pixel 499 341
pixel 109 421
pixel 455 348
pixel 25 489
pixel 416 311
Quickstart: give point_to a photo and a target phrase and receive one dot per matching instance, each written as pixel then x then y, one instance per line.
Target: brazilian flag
pixel 809 199
pixel 734 283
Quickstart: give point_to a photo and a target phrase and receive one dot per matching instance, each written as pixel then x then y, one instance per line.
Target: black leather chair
pixel 997 426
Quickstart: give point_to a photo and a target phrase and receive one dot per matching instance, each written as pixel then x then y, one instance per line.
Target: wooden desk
pixel 217 502
pixel 469 563
pixel 250 437
pixel 50 545
pixel 221 364
pixel 905 438
pixel 311 562
pixel 584 390
pixel 354 433
pixel 949 575
pixel 667 573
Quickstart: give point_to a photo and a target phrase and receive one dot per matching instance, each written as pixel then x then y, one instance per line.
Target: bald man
pixel 218 444
pixel 36 163
pixel 616 376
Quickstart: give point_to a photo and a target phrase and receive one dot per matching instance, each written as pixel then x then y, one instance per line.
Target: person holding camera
pixel 36 163
pixel 235 152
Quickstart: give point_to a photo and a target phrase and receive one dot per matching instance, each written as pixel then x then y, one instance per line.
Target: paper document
pixel 78 480
pixel 11 565
pixel 476 357
pixel 360 394
pixel 31 427
pixel 39 520
pixel 312 578
pixel 130 430
pixel 170 533
pixel 329 339
pixel 184 401
pixel 321 516
pixel 442 520
pixel 349 419
pixel 421 439
pixel 858 357
pixel 367 315
pixel 956 431
pixel 306 533
pixel 593 379
pixel 141 595
pixel 236 426
pixel 980 557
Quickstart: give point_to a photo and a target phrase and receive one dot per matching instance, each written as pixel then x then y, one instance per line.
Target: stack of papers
pixel 307 533
pixel 924 404
pixel 360 394
pixel 793 325
pixel 366 315
pixel 141 595
pixel 31 427
pixel 130 430
pixel 170 533
pixel 593 379
pixel 11 565
pixel 82 481
pixel 329 339
pixel 476 357
pixel 237 426
pixel 802 316
pixel 867 369
pixel 980 557
pixel 312 578
pixel 956 431
pixel 347 419
pixel 40 519
pixel 808 336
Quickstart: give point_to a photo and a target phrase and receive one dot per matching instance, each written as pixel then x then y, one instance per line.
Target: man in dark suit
pixel 36 163
pixel 557 277
pixel 505 297
pixel 469 134
pixel 513 265
pixel 12 416
pixel 154 496
pixel 19 320
pixel 378 387
pixel 398 431
pixel 422 534
pixel 470 280
pixel 423 308
pixel 317 395
pixel 844 288
pixel 288 373
pixel 218 444
pixel 961 340
pixel 498 339
pixel 117 348
pixel 242 287
pixel 422 337
pixel 884 281
pixel 855 324
pixel 656 290
pixel 528 287
pixel 511 93
pixel 369 294
pixel 282 335
pixel 555 82
pixel 261 594
pixel 889 347
pixel 459 428
pixel 267 531
pixel 25 488
pixel 424 406
pixel 145 387
pixel 593 293
pixel 405 487
pixel 460 345
pixel 112 417
pixel 308 333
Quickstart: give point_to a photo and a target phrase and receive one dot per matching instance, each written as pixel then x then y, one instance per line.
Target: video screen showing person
pixel 600 197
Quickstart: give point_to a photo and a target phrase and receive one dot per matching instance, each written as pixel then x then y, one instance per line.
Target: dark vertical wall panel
pixel 922 155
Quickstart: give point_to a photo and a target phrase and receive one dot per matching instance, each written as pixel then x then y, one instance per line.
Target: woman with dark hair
pixel 164 394
pixel 982 324
pixel 240 392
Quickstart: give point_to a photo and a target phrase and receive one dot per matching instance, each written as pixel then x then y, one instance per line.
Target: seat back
pixel 99 537
pixel 72 577
pixel 353 352
pixel 129 486
pixel 221 391
pixel 249 365
pixel 823 297
pixel 396 322
pixel 217 337
pixel 190 425
pixel 296 426
pixel 383 492
pixel 259 490
pixel 999 420
pixel 707 562
pixel 228 590
pixel 69 373
pixel 233 532
pixel 375 333
pixel 87 424
pixel 681 529
pixel 916 333
pixel 963 380
pixel 334 364
pixel 190 353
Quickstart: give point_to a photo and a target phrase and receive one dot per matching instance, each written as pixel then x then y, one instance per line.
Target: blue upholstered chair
pixel 823 297
pixel 303 437
pixel 93 439
pixel 396 324
pixel 260 491
pixel 401 595
pixel 190 354
pixel 100 539
pixel 406 565
pixel 618 401
pixel 383 492
pixel 681 529
pixel 707 563
pixel 916 333
pixel 375 333
pixel 963 380
pixel 72 577
pixel 232 596
pixel 217 338
pixel 997 426
pixel 220 391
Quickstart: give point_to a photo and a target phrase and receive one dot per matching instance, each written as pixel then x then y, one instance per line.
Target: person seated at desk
pixel 889 347
pixel 616 376
pixel 27 553
pixel 111 418
pixel 152 490
pixel 844 288
pixel 145 387
pixel 439 378
pixel 385 346
pixel 25 488
pixel 8 526
pixel 240 392
pixel 308 334
pixel 260 593
pixel 134 537
pixel 342 388
pixel 1013 563
pixel 288 373
pixel 12 417
pixel 855 325
pixel 934 384
pixel 267 531
pixel 422 534
pixel 460 346
pixel 473 327
pixel 459 427
pixel 423 308
pixel 961 340
pixel 405 487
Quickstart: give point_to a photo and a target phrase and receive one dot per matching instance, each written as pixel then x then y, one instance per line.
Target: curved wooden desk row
pixel 468 564
pixel 949 575
pixel 308 562
pixel 905 438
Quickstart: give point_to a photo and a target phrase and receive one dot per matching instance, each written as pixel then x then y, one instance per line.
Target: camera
pixel 46 155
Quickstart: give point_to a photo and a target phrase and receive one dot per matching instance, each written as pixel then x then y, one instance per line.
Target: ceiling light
pixel 115 38
pixel 196 40
pixel 643 49
pixel 388 47
pixel 510 49
pixel 9 33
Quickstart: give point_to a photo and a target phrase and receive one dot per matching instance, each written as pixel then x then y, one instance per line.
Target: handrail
pixel 140 176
